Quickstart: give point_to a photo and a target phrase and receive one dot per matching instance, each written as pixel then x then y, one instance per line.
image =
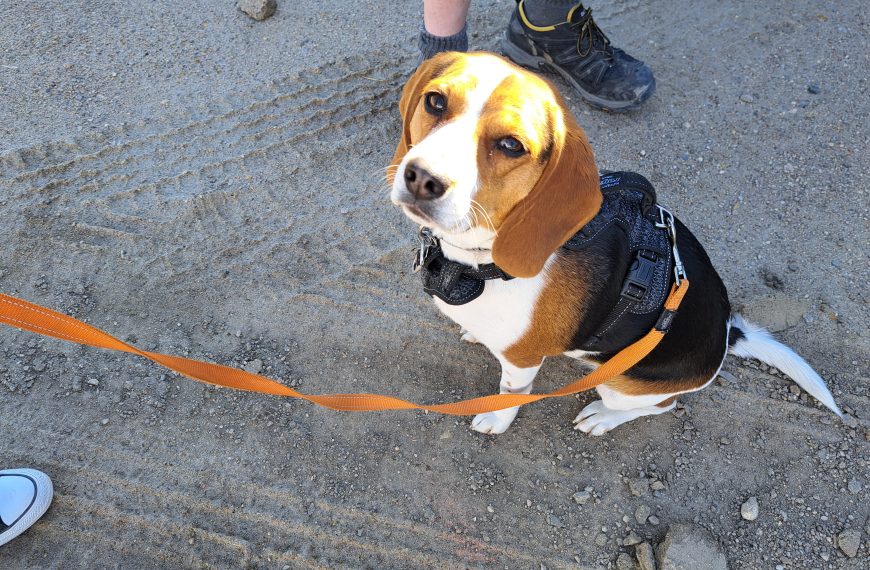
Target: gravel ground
pixel 201 183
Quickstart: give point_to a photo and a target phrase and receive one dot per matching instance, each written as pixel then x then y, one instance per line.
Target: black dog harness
pixel 629 218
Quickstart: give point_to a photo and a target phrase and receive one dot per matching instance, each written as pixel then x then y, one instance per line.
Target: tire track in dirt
pixel 39 165
pixel 140 198
pixel 182 514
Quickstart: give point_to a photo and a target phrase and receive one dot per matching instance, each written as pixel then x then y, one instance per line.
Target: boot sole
pixel 525 59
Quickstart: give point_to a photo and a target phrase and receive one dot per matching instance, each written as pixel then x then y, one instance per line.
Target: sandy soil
pixel 203 184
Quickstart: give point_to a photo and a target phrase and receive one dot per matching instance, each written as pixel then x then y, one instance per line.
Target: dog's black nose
pixel 422 183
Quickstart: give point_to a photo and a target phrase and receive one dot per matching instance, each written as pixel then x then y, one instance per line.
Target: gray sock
pixel 430 44
pixel 548 12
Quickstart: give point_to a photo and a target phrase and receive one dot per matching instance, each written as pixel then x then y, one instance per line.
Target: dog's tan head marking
pixel 490 148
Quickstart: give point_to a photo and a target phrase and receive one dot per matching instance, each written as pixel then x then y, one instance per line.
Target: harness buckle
pixel 427 242
pixel 640 275
pixel 666 221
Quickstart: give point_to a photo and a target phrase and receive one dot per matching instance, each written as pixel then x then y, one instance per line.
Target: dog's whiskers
pixel 475 205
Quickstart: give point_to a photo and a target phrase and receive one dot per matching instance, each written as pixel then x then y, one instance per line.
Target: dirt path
pixel 212 186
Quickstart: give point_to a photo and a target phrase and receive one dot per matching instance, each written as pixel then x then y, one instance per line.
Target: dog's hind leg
pixel 615 408
pixel 514 380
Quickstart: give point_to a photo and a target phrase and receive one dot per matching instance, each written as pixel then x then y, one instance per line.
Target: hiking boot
pixel 606 77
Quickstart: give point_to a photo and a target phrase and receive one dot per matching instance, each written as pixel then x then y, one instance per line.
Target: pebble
pixel 624 562
pixel 849 541
pixel 93 382
pixel 632 539
pixel 814 89
pixel 855 486
pixel 690 546
pixel 258 9
pixel 104 421
pixel 645 557
pixel 749 509
pixel 653 520
pixel 254 366
pixel 747 98
pixel 850 421
pixel 582 497
pixel 553 520
pixel 657 486
pixel 641 514
pixel 601 539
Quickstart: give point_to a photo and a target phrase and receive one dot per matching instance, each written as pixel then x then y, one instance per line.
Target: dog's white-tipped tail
pixel 755 342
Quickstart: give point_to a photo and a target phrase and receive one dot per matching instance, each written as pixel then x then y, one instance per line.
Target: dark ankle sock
pixel 548 12
pixel 430 44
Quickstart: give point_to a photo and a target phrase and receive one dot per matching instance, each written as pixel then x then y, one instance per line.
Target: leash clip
pixel 427 241
pixel 666 221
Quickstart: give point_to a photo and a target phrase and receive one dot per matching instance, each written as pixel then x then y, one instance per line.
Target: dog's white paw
pixel 494 422
pixel 596 419
pixel 468 337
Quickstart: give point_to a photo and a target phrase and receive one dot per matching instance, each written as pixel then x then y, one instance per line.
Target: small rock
pixel 553 520
pixel 850 421
pixel 641 514
pixel 93 382
pixel 747 98
pixel 653 520
pixel 105 421
pixel 749 509
pixel 254 366
pixel 849 541
pixel 631 539
pixel 582 497
pixel 601 539
pixel 258 9
pixel 657 486
pixel 814 89
pixel 855 486
pixel 624 562
pixel 645 557
pixel 689 547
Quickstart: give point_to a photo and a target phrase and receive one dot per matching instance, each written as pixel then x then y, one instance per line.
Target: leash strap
pixel 35 318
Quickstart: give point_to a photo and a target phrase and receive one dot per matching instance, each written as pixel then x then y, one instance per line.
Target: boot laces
pixel 588 29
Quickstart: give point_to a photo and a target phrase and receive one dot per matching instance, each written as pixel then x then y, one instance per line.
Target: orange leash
pixel 35 318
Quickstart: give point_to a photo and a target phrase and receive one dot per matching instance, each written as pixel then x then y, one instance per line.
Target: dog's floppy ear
pixel 566 196
pixel 411 95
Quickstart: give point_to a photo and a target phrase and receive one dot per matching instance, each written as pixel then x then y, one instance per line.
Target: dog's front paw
pixel 468 337
pixel 494 422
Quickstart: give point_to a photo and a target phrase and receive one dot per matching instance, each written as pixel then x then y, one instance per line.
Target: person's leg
pixel 561 36
pixel 443 27
pixel 24 497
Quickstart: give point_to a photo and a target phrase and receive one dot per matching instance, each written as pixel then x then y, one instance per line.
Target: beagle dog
pixel 496 170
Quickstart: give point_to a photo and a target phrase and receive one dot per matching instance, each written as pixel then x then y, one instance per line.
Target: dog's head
pixel 490 150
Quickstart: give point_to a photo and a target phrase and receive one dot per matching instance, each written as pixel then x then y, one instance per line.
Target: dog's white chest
pixel 501 315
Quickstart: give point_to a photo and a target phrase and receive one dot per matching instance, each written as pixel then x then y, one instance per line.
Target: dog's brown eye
pixel 435 103
pixel 511 147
